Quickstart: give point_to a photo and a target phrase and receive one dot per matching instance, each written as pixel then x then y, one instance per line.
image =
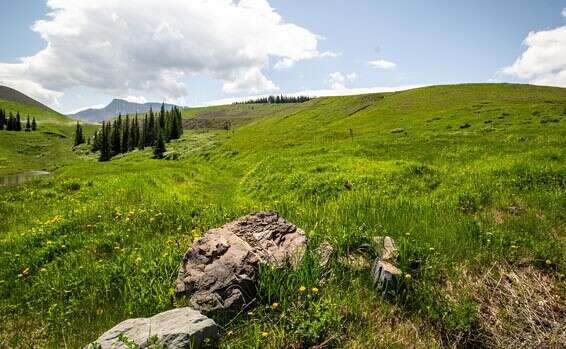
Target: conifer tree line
pixel 11 122
pixel 125 134
pixel 277 100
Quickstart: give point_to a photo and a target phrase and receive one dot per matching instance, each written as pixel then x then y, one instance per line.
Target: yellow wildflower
pixel 274 306
pixel 264 334
pixel 408 276
pixel 314 290
pixel 302 289
pixel 548 262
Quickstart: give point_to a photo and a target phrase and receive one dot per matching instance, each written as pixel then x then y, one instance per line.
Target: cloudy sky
pixel 73 54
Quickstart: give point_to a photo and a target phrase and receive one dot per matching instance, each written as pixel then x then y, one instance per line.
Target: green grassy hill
pixel 39 150
pixel 470 180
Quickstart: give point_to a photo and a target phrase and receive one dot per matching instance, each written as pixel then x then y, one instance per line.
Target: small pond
pixel 20 178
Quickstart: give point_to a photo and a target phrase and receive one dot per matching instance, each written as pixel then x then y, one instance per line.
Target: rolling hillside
pixel 470 181
pixel 39 150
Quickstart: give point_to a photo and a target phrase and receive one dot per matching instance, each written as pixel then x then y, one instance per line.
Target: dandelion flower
pixel 408 277
pixel 302 289
pixel 264 334
pixel 314 290
pixel 274 306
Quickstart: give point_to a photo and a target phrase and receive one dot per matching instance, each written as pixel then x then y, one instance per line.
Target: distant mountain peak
pixel 115 107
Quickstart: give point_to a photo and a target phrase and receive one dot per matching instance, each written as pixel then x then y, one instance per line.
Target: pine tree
pixel 159 148
pixel 18 124
pixel 10 122
pixel 33 124
pixel 2 119
pixel 79 137
pixel 126 135
pixel 179 121
pixel 152 135
pixel 162 117
pixel 95 142
pixel 174 128
pixel 28 125
pixel 136 132
pixel 144 134
pixel 116 136
pixel 105 143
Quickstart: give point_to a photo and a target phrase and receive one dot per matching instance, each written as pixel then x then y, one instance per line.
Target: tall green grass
pixel 101 242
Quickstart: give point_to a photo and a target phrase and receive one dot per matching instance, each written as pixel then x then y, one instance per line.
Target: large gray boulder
pixel 177 328
pixel 219 271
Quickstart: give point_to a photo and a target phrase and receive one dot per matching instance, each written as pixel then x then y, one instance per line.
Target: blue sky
pixel 210 51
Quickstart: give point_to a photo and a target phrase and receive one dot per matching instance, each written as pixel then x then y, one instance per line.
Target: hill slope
pixel 117 106
pixel 39 150
pixel 11 95
pixel 470 181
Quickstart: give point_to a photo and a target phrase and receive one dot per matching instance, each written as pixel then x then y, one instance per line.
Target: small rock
pixel 220 270
pixel 382 273
pixel 324 252
pixel 383 269
pixel 177 328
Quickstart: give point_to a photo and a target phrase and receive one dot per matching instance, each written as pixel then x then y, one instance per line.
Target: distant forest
pixel 277 100
pixel 11 122
pixel 125 134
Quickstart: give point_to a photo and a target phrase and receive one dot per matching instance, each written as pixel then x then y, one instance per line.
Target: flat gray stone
pixel 177 328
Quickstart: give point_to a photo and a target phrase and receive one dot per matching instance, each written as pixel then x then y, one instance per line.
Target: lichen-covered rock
pixel 383 269
pixel 219 271
pixel 177 328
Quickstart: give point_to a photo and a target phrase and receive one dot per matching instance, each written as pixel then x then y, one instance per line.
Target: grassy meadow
pixel 44 149
pixel 470 181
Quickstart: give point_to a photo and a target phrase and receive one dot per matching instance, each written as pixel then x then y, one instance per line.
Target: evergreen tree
pixel 162 117
pixel 10 122
pixel 168 126
pixel 95 142
pixel 126 135
pixel 159 148
pixel 135 132
pixel 28 125
pixel 33 124
pixel 174 129
pixel 79 137
pixel 2 119
pixel 116 136
pixel 18 124
pixel 105 143
pixel 152 135
pixel 179 122
pixel 144 134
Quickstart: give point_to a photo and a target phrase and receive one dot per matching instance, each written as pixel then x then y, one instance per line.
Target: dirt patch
pixel 520 308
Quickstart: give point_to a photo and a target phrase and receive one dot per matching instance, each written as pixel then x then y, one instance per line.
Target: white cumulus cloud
pixel 544 60
pixel 136 46
pixel 382 64
pixel 337 80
